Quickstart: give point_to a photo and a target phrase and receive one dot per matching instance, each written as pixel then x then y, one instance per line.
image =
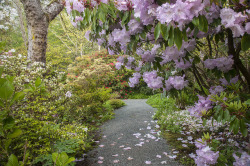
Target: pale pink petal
pixel 130 158
pixel 100 162
pixel 100 158
pixel 101 146
pixel 115 155
pixel 116 161
pixel 147 162
pixel 158 156
pixel 128 148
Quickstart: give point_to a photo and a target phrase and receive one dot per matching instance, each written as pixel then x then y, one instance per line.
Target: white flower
pixel 68 94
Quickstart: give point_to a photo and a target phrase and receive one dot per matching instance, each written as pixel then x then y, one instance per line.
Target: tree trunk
pixel 21 22
pixel 38 20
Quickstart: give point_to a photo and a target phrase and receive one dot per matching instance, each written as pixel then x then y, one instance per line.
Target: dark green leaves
pixel 201 23
pixel 6 89
pixel 245 44
pixel 157 30
pixel 165 31
pixel 178 37
pixel 13 161
pixel 243 128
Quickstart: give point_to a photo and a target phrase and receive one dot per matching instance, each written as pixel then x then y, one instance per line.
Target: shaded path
pixel 131 139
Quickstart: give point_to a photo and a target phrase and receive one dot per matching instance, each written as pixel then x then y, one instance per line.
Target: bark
pixel 21 22
pixel 38 20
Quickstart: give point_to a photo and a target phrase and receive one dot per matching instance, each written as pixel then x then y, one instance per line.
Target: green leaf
pixel 55 157
pixel 157 31
pixel 6 89
pixel 171 37
pixel 236 126
pixel 243 128
pixel 71 159
pixel 245 44
pixel 1 103
pixel 226 115
pixel 178 38
pixel 15 133
pixel 38 82
pixel 184 34
pixel 1 71
pixel 247 102
pixel 203 24
pixel 165 31
pixel 125 17
pixel 17 96
pixel 8 123
pixel 13 161
pixel 195 21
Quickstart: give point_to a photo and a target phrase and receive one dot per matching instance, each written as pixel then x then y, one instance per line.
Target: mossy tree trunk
pixel 38 20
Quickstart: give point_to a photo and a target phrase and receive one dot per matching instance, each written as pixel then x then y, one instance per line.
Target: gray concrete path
pixel 131 139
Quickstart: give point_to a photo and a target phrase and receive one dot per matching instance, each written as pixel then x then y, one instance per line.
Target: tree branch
pixel 53 9
pixel 237 61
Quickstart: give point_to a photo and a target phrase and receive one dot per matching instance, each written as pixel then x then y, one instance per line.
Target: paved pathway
pixel 131 139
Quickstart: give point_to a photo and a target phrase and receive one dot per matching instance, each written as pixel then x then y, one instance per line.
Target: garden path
pixel 131 139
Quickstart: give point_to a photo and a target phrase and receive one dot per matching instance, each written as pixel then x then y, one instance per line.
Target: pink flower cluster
pixel 243 160
pixel 153 80
pixel 146 55
pixel 205 156
pixel 181 12
pixel 134 80
pixel 234 80
pixel 202 106
pixel 216 90
pixel 224 64
pixel 233 20
pixel 176 82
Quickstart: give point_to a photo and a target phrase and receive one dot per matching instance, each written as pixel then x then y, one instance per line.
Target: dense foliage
pixel 197 46
pixel 44 114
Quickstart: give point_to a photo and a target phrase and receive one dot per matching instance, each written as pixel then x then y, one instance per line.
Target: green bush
pixel 115 103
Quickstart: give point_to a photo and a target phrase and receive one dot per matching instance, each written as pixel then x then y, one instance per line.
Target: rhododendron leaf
pixel 143 35
pixel 227 76
pixel 157 30
pixel 184 34
pixel 165 31
pixel 196 31
pixel 171 37
pixel 125 17
pixel 195 21
pixel 203 24
pixel 178 38
pixel 226 115
pixel 247 102
pixel 245 44
pixel 236 126
pixel 243 128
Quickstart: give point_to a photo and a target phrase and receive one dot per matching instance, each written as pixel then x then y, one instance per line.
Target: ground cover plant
pixel 199 47
pixel 183 132
pixel 43 117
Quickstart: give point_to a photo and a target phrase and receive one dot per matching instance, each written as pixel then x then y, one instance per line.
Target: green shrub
pixel 115 103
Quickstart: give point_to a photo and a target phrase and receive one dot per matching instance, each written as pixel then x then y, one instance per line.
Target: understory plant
pixel 42 117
